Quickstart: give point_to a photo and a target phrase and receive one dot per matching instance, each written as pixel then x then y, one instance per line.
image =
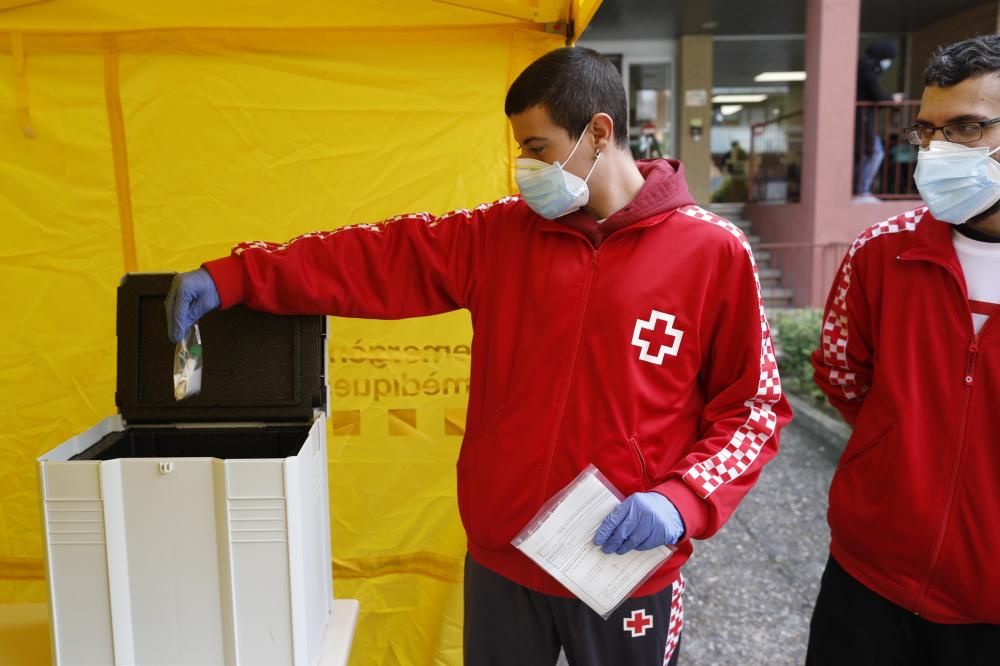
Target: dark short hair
pixel 953 63
pixel 572 84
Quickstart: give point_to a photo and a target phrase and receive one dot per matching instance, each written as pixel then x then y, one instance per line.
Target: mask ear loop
pixel 597 156
pixel 573 152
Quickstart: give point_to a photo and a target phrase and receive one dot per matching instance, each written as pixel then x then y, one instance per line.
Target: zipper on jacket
pixel 591 270
pixel 967 381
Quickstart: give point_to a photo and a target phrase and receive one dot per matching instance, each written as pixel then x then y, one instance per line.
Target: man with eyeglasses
pixel 910 356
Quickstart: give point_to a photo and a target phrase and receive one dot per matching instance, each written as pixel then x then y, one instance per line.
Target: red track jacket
pixel 639 345
pixel 915 502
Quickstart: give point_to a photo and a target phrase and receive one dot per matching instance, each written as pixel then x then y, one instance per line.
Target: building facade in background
pixel 759 99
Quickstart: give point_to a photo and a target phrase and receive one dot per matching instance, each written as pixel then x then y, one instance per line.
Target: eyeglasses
pixel 968 131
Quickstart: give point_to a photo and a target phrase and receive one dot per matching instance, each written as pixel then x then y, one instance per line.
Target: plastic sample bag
pixel 560 539
pixel 188 357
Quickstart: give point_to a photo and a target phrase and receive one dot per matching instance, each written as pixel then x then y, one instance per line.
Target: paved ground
pixel 751 588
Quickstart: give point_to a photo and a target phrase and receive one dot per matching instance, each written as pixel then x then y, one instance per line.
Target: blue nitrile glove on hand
pixel 192 295
pixel 643 521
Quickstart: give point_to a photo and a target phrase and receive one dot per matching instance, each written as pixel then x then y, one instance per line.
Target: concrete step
pixel 731 212
pixel 735 216
pixel 762 257
pixel 772 307
pixel 777 292
pixel 777 297
pixel 740 222
pixel 744 225
pixel 727 208
pixel 769 277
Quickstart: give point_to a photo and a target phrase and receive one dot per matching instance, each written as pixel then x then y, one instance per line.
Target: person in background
pixel 910 356
pixel 735 162
pixel 869 149
pixel 615 324
pixel 734 175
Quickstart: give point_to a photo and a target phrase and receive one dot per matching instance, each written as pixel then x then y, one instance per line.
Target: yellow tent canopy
pixel 153 136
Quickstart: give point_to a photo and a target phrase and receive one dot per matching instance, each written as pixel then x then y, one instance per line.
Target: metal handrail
pixel 772 121
pixel 756 129
pixel 894 178
pixel 807 269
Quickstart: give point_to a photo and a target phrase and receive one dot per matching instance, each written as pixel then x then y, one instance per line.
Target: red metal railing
pixel 878 129
pixel 775 161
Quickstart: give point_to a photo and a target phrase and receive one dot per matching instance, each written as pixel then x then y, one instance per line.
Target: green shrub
pixel 796 337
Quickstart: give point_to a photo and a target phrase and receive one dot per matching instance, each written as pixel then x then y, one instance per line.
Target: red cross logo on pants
pixel 638 623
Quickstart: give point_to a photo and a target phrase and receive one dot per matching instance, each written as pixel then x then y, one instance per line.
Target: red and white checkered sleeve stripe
pixel 405 266
pixel 374 227
pixel 749 439
pixel 835 373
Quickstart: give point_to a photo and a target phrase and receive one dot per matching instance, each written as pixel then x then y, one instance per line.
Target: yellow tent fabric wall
pixel 153 136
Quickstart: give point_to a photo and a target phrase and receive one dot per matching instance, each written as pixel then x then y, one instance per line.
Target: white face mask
pixel 885 64
pixel 957 182
pixel 549 189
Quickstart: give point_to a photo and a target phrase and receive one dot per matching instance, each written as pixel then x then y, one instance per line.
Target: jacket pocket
pixel 641 465
pixel 856 451
pixel 489 426
pixel 492 488
pixel 865 486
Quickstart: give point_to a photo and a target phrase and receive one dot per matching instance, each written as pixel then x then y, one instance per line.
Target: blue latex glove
pixel 192 295
pixel 643 521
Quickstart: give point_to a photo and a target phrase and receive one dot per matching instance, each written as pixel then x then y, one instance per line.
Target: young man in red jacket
pixel 616 324
pixel 910 355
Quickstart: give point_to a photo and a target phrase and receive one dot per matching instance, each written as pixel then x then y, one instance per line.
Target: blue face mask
pixel 957 182
pixel 549 189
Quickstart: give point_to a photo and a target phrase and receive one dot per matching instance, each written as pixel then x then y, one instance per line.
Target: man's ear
pixel 602 127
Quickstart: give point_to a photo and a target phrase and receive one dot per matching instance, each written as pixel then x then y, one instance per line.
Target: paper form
pixel 562 543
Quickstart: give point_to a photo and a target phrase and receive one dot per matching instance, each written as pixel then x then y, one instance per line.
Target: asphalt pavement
pixel 751 587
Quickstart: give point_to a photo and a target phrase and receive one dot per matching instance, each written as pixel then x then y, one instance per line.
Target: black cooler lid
pixel 257 367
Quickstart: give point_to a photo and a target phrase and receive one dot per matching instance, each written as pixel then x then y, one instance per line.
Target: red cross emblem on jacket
pixel 657 342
